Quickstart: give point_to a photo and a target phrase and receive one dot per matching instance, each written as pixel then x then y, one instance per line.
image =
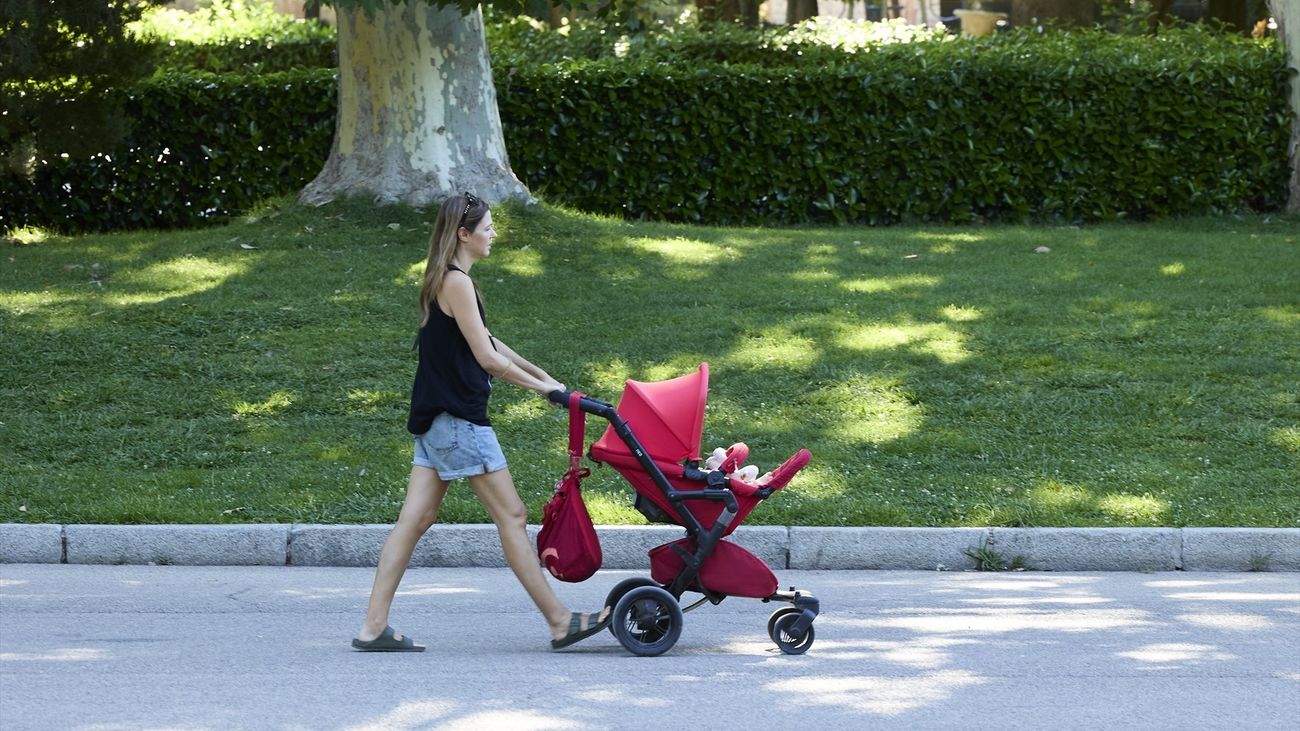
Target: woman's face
pixel 478 243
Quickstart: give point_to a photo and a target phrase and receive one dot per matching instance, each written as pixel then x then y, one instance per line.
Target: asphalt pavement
pixel 108 647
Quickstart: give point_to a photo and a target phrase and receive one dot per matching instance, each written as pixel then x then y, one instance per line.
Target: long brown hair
pixel 458 210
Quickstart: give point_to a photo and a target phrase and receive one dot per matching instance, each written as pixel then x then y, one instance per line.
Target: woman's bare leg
pixel 497 492
pixel 424 494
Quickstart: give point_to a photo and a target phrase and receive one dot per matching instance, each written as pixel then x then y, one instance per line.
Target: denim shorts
pixel 455 448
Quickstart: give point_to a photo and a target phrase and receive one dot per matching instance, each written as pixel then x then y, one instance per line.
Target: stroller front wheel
pixel 647 621
pixel 771 621
pixel 779 627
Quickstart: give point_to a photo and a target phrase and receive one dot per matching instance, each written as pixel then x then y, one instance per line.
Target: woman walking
pixel 454 439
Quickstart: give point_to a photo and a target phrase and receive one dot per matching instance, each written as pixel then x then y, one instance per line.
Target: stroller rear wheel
pixel 621 588
pixel 778 627
pixel 647 621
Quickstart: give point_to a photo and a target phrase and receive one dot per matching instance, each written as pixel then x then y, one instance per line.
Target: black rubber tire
pixel 621 588
pixel 771 621
pixel 647 621
pixel 783 640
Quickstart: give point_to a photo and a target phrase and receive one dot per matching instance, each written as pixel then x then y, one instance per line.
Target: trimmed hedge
pixel 251 56
pixel 1079 126
pixel 202 147
pixel 1059 126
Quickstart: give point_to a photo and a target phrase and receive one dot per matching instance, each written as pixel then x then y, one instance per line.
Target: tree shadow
pixel 1132 375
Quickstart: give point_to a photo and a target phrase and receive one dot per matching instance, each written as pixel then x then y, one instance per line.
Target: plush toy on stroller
pixel 653 440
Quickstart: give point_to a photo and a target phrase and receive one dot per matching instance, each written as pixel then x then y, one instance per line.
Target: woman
pixel 453 437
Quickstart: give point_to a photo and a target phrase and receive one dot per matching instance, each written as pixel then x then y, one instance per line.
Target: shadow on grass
pixel 1132 375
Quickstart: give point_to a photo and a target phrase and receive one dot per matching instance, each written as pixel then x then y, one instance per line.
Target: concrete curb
pixel 625 546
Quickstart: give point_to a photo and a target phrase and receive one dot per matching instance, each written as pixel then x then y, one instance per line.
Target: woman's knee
pixel 497 492
pixel 406 532
pixel 513 514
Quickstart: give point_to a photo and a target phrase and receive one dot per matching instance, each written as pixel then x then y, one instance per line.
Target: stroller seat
pixel 730 570
pixel 668 420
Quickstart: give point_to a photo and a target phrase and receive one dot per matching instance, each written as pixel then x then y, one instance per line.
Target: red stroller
pixel 653 440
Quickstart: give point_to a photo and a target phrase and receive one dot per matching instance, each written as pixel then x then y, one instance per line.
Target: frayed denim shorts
pixel 455 448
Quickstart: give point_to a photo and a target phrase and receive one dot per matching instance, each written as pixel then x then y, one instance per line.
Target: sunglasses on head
pixel 470 202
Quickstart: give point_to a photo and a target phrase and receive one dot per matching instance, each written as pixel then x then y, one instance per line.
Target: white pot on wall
pixel 978 22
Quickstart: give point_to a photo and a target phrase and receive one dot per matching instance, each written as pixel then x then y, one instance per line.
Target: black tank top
pixel 448 378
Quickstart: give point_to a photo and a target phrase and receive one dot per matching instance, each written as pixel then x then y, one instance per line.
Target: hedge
pixel 202 147
pixel 1057 127
pixel 1061 126
pixel 251 56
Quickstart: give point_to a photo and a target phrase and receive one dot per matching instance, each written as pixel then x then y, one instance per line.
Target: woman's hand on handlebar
pixel 549 389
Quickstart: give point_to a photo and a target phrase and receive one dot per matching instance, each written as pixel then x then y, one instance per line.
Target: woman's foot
pixel 579 626
pixel 369 633
pixel 387 641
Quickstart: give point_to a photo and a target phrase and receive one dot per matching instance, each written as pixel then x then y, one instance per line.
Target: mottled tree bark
pixel 1287 15
pixel 417 110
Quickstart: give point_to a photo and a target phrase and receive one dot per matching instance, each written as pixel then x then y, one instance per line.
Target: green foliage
pixel 219 21
pixel 236 36
pixel 253 55
pixel 814 124
pixel 1069 126
pixel 202 146
pixel 522 41
pixel 988 559
pixel 466 6
pixel 79 48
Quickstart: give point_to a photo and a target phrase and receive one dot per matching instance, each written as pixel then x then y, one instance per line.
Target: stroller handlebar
pixel 587 404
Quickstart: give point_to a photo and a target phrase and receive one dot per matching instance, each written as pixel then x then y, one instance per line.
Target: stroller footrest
pixel 782 475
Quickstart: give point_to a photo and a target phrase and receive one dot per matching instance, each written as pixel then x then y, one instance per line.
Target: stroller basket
pixel 653 441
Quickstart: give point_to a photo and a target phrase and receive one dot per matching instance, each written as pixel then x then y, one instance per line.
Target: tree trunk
pixel 1070 12
pixel 417 110
pixel 797 11
pixel 720 11
pixel 1159 15
pixel 1287 15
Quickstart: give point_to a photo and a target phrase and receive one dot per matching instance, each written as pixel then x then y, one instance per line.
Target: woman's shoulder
pixel 456 280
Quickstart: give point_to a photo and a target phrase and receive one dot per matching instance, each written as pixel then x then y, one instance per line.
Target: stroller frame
pixel 790 628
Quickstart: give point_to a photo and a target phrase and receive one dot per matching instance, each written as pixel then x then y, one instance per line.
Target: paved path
pixel 178 647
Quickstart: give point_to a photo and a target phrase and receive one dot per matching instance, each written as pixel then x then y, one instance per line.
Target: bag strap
pixel 577 429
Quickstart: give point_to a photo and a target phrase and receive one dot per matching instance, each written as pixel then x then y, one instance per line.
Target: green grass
pixel 1136 375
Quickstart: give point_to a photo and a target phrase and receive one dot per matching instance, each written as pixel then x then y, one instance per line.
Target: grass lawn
pixel 1135 375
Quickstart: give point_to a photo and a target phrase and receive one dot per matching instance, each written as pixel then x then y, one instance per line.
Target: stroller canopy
pixel 667 417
